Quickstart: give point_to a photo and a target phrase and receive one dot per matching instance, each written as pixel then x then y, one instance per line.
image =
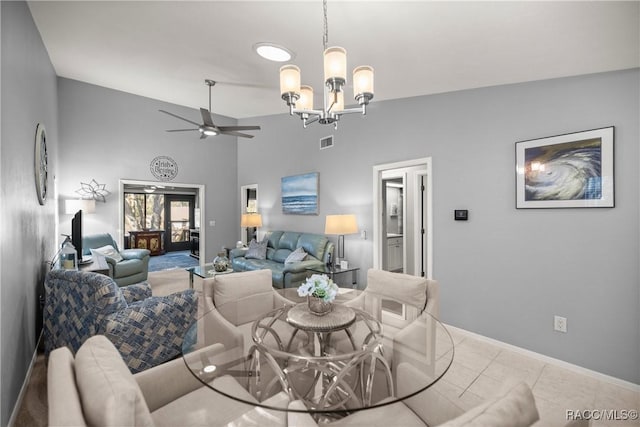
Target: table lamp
pixel 72 206
pixel 251 220
pixel 341 225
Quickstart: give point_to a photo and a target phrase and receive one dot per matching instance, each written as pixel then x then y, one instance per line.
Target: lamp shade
pixel 335 63
pixel 251 220
pixel 362 81
pixel 289 79
pixel 306 98
pixel 74 205
pixel 341 224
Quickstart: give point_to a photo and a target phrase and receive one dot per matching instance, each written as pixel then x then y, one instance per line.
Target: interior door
pixel 179 215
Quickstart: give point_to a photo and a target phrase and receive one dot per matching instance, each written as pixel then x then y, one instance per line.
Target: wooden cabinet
pixel 394 253
pixel 152 240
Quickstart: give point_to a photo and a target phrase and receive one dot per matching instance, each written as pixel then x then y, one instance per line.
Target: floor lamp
pixel 341 225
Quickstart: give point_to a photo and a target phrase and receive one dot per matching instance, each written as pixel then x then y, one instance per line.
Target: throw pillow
pixel 257 250
pixel 110 252
pixel 296 256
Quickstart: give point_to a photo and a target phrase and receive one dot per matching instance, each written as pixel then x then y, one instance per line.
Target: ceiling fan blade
pixel 206 117
pixel 180 130
pixel 181 118
pixel 234 133
pixel 233 128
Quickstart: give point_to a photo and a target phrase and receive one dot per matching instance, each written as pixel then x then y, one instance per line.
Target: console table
pixel 153 240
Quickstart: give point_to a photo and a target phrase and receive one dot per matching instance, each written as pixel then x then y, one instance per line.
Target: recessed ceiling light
pixel 273 52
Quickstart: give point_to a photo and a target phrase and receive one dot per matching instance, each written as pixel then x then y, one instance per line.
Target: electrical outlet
pixel 212 223
pixel 560 324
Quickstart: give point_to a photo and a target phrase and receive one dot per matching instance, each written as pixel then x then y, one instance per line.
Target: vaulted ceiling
pixel 164 50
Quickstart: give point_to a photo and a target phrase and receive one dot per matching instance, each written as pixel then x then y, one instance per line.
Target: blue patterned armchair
pixel 147 330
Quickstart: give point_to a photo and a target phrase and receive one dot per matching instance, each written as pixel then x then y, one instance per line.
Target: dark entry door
pixel 178 220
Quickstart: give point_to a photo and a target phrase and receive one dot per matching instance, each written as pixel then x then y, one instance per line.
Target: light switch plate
pixel 461 214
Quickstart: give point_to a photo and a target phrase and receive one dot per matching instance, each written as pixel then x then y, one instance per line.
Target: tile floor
pixel 479 368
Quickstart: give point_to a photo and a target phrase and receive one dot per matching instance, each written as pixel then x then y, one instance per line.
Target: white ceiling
pixel 165 50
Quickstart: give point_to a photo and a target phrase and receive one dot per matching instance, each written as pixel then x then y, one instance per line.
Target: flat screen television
pixel 76 233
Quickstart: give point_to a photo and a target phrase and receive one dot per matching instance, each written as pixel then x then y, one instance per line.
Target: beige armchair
pixel 396 300
pixel 96 388
pixel 233 302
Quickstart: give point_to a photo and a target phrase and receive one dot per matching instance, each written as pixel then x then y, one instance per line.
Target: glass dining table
pixel 336 364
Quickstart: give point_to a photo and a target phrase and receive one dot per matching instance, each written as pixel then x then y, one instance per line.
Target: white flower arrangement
pixel 320 286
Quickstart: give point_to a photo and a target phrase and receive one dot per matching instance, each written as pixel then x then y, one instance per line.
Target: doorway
pixel 248 204
pixel 402 225
pixel 178 214
pixel 194 191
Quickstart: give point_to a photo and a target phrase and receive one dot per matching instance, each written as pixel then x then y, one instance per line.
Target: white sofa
pixel 97 389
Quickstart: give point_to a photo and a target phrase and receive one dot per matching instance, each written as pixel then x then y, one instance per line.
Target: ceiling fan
pixel 208 128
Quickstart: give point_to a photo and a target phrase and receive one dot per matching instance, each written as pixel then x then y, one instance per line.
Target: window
pixel 143 211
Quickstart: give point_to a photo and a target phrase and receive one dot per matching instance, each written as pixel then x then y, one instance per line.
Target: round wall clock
pixel 41 163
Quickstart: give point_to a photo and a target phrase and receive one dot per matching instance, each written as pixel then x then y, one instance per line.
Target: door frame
pixel 201 203
pixel 378 241
pixel 243 204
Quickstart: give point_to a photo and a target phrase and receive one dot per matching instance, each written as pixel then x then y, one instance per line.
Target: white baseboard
pixel 550 360
pixel 25 384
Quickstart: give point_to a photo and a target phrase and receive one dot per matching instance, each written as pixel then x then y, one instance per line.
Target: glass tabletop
pixel 350 359
pixel 335 269
pixel 206 271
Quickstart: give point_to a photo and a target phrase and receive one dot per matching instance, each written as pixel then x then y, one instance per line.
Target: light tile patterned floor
pixel 480 367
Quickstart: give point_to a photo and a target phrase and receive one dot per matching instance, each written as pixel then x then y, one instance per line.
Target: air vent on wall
pixel 326 142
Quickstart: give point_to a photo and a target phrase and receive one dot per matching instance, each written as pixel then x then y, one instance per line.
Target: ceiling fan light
pixel 363 82
pixel 335 64
pixel 289 80
pixel 209 132
pixel 306 98
pixel 273 52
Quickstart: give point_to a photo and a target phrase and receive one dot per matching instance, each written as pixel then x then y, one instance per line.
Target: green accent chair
pixel 133 268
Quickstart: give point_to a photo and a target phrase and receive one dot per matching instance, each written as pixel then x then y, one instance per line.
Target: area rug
pixel 181 259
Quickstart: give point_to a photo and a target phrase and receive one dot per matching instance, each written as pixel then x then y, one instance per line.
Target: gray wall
pixel 28 98
pixel 505 272
pixel 109 135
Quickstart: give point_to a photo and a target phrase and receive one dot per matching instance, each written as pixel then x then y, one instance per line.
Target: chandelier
pixel 299 98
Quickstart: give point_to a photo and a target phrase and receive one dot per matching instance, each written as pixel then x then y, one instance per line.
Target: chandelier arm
pixel 309 112
pixel 352 111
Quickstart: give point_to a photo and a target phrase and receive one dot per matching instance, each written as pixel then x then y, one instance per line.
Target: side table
pixel 331 271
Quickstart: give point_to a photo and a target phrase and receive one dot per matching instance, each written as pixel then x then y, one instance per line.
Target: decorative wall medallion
pixel 41 163
pixel 164 168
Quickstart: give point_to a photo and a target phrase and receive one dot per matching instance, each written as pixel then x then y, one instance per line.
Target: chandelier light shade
pixel 299 98
pixel 251 220
pixel 290 81
pixel 306 98
pixel 363 84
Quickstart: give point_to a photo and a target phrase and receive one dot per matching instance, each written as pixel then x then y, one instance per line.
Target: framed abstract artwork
pixel 300 194
pixel 574 170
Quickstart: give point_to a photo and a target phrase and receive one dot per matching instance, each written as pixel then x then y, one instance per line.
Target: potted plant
pixel 320 292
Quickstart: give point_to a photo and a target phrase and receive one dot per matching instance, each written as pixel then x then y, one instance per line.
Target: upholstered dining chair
pixel 147 330
pixel 233 302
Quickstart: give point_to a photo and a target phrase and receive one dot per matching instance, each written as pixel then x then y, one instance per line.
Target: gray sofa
pixel 280 245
